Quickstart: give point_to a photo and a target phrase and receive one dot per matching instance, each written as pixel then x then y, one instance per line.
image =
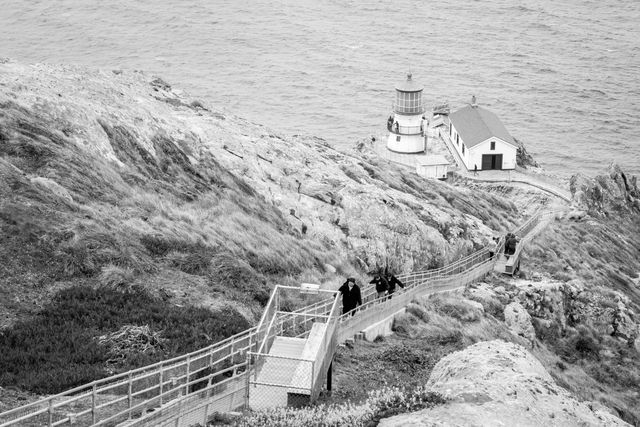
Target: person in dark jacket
pixel 382 286
pixel 393 282
pixel 510 245
pixel 351 297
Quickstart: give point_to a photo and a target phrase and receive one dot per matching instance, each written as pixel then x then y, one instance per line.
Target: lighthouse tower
pixel 406 125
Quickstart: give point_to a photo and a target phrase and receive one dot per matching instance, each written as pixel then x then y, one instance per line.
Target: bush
pixel 196 262
pixel 57 349
pixel 231 274
pixel 115 277
pixel 379 404
pixel 457 309
pixel 418 311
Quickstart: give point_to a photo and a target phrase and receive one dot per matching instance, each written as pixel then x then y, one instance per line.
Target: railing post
pixel 50 412
pixel 161 381
pixel 206 415
pixel 247 373
pixel 129 394
pixel 186 384
pixel 93 404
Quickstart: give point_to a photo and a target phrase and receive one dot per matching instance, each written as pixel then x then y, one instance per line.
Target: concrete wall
pixel 381 328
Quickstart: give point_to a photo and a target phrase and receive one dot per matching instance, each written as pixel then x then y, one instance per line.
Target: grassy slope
pixel 584 359
pixel 603 254
pixel 96 193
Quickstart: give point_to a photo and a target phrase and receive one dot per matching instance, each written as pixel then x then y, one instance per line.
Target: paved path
pixel 517 176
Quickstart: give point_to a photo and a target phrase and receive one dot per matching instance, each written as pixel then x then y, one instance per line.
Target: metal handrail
pixel 415 280
pixel 405 130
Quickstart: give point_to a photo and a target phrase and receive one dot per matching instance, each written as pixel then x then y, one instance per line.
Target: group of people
pixel 384 281
pixel 510 244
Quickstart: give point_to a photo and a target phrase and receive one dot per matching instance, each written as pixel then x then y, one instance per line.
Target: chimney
pixel 474 102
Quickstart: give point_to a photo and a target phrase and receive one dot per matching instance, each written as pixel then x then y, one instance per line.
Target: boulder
pixel 518 321
pixel 496 383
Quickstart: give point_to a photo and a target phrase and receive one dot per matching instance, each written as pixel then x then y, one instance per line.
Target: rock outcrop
pixel 495 383
pixel 149 133
pixel 518 321
pixel 612 193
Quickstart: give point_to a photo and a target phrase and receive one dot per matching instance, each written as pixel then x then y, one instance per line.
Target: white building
pixel 407 125
pixel 481 139
pixel 433 166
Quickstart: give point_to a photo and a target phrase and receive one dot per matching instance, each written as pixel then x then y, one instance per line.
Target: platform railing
pixel 131 394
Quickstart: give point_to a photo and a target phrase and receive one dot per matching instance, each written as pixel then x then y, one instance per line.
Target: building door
pixel 491 161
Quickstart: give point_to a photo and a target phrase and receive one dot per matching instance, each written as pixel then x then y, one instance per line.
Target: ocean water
pixel 564 76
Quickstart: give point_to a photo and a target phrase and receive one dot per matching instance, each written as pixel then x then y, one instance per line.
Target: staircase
pixel 282 361
pixel 270 389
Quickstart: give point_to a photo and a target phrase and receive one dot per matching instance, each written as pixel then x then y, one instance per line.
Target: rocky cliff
pixel 91 154
pixel 499 383
pixel 113 181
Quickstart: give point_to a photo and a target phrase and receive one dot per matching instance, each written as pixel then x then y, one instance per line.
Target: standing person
pixel 475 170
pixel 381 284
pixel 351 296
pixel 393 282
pixel 510 245
pixel 493 247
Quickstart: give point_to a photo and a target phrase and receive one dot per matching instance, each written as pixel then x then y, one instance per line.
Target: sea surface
pixel 563 75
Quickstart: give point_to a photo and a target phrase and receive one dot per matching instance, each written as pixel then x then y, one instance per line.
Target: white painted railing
pixel 191 386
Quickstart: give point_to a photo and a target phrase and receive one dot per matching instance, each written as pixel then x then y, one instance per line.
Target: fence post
pixel 93 404
pixel 161 381
pixel 206 415
pixel 247 373
pixel 50 412
pixel 129 393
pixel 186 384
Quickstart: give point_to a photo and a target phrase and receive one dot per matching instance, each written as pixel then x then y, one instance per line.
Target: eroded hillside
pixel 112 182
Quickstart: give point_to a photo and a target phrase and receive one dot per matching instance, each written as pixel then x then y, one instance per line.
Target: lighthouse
pixel 407 124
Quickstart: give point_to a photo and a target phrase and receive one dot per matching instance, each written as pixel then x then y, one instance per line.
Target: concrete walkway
pixel 540 182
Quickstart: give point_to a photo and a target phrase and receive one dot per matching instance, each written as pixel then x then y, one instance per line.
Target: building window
pixel 398 138
pixel 457 139
pixel 462 148
pixel 493 145
pixel 451 130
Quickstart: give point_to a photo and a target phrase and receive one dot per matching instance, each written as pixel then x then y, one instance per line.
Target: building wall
pixel 458 143
pixel 473 156
pixel 406 120
pixel 408 143
pixel 432 171
pixel 508 152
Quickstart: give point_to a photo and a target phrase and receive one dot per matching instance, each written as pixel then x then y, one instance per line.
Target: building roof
pixel 432 160
pixel 476 124
pixel 409 85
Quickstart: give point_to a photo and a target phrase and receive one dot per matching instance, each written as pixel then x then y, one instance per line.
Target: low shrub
pixel 457 309
pixel 418 311
pixel 196 262
pixel 379 404
pixel 403 323
pixel 115 277
pixel 234 276
pixel 57 349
